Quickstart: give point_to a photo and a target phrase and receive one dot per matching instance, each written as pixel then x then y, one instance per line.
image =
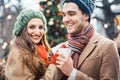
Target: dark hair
pixel 84 6
pixel 116 34
pixel 67 1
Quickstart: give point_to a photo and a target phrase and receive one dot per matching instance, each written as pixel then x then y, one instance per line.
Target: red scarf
pixel 43 53
pixel 78 42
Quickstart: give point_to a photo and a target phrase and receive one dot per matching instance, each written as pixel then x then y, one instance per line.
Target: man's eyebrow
pixel 70 12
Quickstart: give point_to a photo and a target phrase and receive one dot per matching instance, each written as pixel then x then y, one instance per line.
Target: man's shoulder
pixel 102 39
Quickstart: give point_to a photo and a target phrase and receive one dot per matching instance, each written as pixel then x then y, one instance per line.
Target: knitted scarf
pixel 78 42
pixel 43 53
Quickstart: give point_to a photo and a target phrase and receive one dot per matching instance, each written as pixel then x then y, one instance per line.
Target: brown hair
pixel 29 54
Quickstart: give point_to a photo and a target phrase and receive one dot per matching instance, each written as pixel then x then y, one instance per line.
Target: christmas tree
pixel 53 12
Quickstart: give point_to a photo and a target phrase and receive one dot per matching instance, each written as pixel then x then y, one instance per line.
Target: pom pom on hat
pixel 24 17
pixel 85 5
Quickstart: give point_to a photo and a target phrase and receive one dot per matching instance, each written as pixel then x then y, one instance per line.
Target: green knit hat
pixel 24 17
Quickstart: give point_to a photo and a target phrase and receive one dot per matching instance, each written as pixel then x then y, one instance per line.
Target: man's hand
pixel 65 64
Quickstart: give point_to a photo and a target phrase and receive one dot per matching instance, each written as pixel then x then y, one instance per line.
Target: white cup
pixel 65 51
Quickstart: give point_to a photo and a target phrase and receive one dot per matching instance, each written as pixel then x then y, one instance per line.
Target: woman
pixel 27 59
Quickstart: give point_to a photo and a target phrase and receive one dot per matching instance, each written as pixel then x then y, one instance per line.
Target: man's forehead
pixel 68 7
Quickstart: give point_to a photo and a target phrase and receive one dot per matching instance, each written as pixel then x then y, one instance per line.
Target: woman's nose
pixel 37 31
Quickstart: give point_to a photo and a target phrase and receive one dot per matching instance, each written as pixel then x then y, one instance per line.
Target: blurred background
pixel 106 19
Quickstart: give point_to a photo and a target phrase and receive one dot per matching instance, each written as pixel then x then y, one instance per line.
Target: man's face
pixel 73 18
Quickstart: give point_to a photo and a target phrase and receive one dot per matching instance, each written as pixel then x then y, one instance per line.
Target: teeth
pixel 68 25
pixel 35 37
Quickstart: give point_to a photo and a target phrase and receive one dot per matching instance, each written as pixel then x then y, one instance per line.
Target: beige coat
pixel 14 67
pixel 98 61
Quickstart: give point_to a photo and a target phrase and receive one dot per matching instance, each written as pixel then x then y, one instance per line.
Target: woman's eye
pixel 32 27
pixel 41 27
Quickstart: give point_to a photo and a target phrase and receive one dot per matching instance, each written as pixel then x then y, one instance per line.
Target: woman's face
pixel 35 29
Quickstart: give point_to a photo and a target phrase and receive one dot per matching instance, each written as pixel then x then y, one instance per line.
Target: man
pixel 92 56
pixel 117 40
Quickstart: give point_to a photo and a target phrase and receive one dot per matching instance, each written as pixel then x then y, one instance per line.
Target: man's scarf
pixel 78 42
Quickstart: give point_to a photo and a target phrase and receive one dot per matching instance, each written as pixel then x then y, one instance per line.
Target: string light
pixel 5 44
pixel 49 3
pixel 118 27
pixel 106 25
pixel 9 17
pixel 62 26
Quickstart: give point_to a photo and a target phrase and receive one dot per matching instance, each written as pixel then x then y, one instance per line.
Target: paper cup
pixel 65 51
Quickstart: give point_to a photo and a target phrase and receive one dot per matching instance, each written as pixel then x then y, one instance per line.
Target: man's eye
pixel 63 14
pixel 72 14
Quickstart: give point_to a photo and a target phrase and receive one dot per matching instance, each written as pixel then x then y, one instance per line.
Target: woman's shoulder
pixel 14 54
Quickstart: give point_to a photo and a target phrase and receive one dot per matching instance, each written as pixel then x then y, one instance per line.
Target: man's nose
pixel 66 19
